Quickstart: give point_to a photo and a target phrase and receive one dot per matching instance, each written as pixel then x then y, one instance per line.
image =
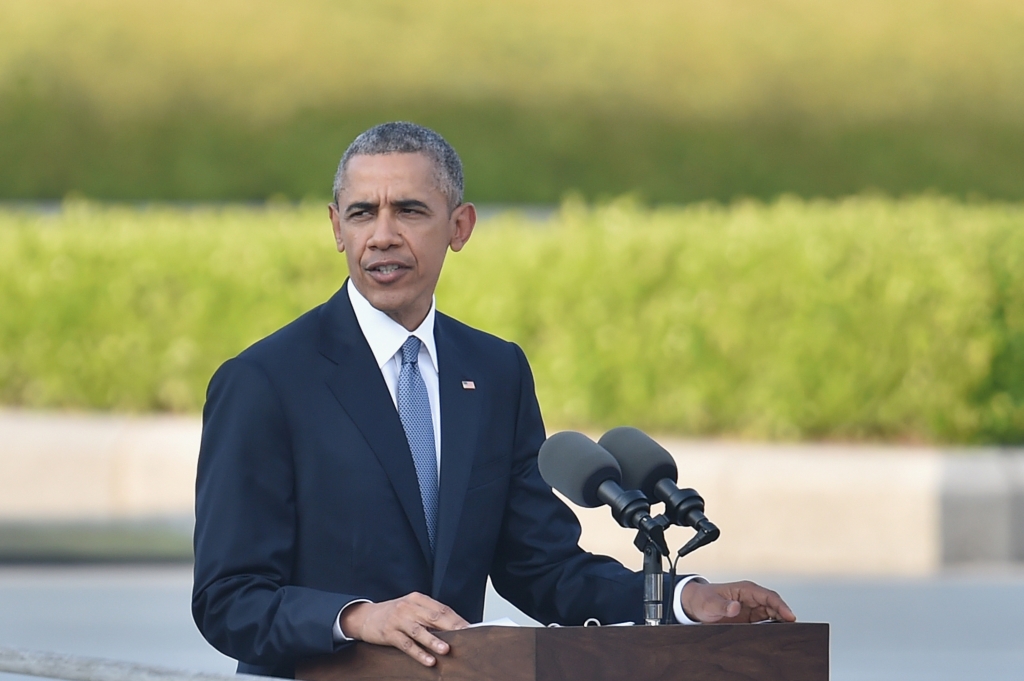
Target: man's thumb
pixel 717 607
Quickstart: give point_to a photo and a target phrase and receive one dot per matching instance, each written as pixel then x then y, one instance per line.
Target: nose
pixel 385 232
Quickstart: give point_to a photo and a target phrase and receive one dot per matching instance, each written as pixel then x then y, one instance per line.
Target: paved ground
pixel 964 626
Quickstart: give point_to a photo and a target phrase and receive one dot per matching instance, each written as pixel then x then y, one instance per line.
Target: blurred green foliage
pixel 675 100
pixel 116 308
pixel 866 318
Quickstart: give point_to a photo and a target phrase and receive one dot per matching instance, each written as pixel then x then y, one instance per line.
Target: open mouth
pixel 385 269
pixel 386 272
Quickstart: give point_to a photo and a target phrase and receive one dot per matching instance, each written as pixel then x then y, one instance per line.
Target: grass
pixel 677 101
pixel 863 319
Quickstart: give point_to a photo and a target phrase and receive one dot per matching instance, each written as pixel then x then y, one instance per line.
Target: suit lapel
pixel 460 419
pixel 359 387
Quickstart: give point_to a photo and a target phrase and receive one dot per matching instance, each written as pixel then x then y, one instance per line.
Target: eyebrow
pixel 361 205
pixel 410 203
pixel 401 204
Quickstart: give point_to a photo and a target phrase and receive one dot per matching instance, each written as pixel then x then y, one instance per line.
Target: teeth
pixel 387 269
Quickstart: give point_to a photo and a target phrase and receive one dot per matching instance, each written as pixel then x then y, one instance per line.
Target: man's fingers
pixel 407 631
pixel 431 615
pixel 764 601
pixel 442 618
pixel 782 613
pixel 432 644
pixel 400 640
pixel 405 623
pixel 735 602
pixel 779 609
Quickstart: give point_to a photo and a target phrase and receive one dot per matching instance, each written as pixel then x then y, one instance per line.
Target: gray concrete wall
pixel 124 485
pixel 80 467
pixel 841 509
pixel 96 487
pixel 982 507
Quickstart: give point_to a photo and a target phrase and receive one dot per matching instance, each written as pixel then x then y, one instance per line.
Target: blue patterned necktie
pixel 414 411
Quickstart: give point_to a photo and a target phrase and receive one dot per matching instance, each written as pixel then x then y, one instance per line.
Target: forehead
pixel 392 174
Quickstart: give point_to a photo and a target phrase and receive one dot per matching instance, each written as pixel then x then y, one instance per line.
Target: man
pixel 365 469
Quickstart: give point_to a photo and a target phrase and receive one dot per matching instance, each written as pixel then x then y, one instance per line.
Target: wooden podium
pixel 708 652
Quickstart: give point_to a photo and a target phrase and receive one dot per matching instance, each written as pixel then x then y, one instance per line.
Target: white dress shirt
pixel 385 337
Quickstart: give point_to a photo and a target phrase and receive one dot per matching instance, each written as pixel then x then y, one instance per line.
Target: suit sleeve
pixel 539 566
pixel 242 599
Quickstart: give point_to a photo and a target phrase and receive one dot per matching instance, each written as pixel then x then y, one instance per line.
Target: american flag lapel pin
pixel 468 385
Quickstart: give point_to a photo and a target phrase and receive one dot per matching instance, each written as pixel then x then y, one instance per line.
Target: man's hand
pixel 403 623
pixel 734 602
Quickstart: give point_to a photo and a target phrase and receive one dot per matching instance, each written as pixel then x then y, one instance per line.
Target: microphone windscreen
pixel 643 461
pixel 576 466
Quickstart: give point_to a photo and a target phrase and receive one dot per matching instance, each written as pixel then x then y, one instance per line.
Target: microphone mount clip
pixel 650 538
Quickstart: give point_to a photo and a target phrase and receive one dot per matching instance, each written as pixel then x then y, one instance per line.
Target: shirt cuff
pixel 339 635
pixel 677 601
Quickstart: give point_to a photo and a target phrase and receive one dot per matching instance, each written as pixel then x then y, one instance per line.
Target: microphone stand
pixel 651 540
pixel 630 508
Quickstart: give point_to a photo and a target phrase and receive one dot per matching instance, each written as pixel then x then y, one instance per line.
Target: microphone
pixel 646 466
pixel 589 476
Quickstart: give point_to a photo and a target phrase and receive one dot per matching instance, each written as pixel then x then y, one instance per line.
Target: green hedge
pixel 861 319
pixel 678 101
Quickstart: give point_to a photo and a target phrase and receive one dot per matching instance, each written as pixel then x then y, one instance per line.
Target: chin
pixel 385 302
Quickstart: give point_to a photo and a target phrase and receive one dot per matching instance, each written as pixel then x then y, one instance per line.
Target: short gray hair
pixel 400 137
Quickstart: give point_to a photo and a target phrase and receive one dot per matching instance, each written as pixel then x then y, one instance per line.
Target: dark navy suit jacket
pixel 307 498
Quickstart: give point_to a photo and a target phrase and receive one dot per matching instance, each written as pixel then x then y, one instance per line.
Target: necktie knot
pixel 411 350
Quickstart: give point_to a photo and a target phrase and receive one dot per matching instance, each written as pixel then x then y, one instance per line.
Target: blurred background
pixel 676 101
pixel 785 236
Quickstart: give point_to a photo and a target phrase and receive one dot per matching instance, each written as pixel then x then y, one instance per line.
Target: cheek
pixel 433 253
pixel 352 260
pixel 433 264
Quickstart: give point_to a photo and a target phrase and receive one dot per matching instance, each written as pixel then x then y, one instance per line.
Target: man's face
pixel 392 223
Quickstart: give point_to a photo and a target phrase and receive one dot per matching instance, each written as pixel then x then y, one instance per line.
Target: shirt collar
pixel 386 336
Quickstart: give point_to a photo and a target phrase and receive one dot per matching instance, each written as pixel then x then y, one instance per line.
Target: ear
pixel 332 209
pixel 464 218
